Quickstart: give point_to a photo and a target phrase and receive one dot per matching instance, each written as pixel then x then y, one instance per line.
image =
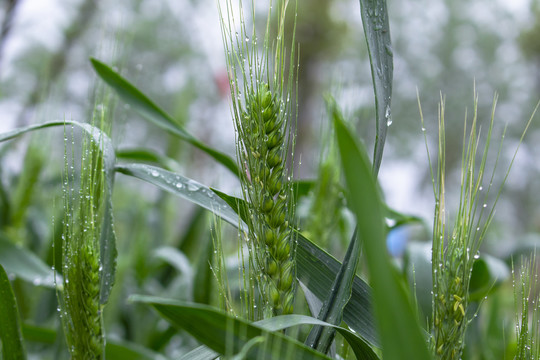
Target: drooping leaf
pixel 10 325
pixel 360 347
pixel 321 337
pixel 200 353
pixel 377 32
pixel 315 267
pixel 227 334
pixel 400 333
pixel 153 113
pixel 25 264
pixel 181 186
pixel 487 274
pixel 107 240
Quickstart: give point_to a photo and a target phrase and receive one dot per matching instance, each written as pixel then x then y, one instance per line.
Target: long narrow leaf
pixel 360 347
pixel 181 186
pixel 315 267
pixel 10 325
pixel 107 240
pixel 153 113
pixel 377 32
pixel 400 332
pixel 321 337
pixel 25 264
pixel 227 334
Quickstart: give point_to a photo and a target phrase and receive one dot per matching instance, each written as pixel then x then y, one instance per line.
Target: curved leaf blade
pixel 361 348
pixel 182 186
pixel 227 334
pixel 153 113
pixel 10 326
pixel 377 32
pixel 25 264
pixel 400 332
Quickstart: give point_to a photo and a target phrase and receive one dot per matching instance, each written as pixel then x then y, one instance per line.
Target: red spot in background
pixel 222 83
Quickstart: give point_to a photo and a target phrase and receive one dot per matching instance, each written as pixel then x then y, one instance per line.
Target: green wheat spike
pixel 80 300
pixel 261 84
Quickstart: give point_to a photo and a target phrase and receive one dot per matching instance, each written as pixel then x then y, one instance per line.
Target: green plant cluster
pixel 142 297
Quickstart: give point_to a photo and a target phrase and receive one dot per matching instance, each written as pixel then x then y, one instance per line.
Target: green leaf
pixel 38 334
pixel 107 240
pixel 120 350
pixel 10 326
pixel 377 32
pixel 153 113
pixel 200 353
pixel 398 326
pixel 360 347
pixel 317 270
pixel 315 267
pixel 227 334
pixel 181 186
pixel 204 277
pixel 321 337
pixel 400 219
pixel 25 264
pixel 487 274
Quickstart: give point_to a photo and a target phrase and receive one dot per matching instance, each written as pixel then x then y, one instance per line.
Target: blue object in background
pixel 396 241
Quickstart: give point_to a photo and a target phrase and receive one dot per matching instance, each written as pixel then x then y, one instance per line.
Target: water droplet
pixel 154 173
pixel 178 185
pixel 192 186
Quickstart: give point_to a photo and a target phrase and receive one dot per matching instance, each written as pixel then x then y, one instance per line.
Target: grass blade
pixel 321 337
pixel 377 31
pixel 10 326
pixel 360 347
pixel 181 186
pixel 200 353
pixel 107 240
pixel 25 264
pixel 227 334
pixel 317 270
pixel 153 113
pixel 400 332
